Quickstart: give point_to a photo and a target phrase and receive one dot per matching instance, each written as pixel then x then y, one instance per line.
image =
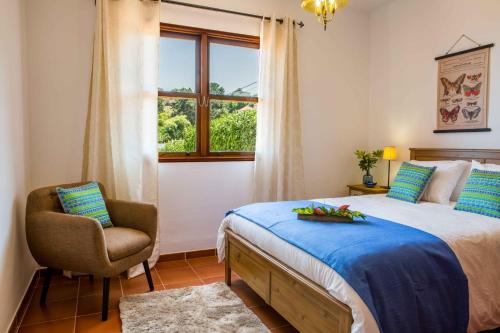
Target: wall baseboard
pixel 187 255
pixel 23 306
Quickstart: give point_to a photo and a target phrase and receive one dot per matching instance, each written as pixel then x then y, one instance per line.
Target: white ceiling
pixel 367 5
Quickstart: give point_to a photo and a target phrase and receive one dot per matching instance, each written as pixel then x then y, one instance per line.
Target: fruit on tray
pixel 342 211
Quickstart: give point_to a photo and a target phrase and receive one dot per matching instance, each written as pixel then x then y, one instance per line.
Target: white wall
pixel 194 198
pixel 333 73
pixel 405 37
pixel 16 265
pixel 59 37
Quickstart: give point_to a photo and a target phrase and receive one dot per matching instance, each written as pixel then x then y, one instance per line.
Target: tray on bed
pixel 324 218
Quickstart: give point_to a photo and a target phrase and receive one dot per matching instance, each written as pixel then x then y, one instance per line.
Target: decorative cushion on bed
pixel 443 181
pixel 410 182
pixel 481 194
pixel 85 200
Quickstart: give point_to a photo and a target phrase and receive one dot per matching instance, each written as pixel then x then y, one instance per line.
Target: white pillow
pixel 461 182
pixel 485 167
pixel 443 181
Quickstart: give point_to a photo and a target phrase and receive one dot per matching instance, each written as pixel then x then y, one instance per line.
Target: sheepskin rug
pixel 208 308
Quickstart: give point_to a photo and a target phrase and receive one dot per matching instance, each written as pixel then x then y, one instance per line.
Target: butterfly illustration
pixel 474 77
pixel 457 100
pixel 452 115
pixel 471 103
pixel 471 113
pixel 453 86
pixel 469 91
pixel 445 100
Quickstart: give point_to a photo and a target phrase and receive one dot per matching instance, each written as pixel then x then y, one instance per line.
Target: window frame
pixel 203 38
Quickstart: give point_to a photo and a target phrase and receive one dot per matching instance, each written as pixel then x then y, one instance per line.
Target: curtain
pixel 121 136
pixel 278 173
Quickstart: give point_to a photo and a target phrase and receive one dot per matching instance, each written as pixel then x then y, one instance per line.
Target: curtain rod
pixel 172 2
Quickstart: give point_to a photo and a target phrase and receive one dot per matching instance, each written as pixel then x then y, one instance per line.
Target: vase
pixel 367 179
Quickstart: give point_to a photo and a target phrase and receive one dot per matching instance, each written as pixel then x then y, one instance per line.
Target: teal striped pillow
pixel 481 194
pixel 85 200
pixel 410 182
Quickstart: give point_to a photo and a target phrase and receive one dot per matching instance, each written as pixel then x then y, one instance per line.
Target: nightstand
pixel 362 190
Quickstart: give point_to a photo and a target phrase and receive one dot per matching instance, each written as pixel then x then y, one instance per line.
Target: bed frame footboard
pixel 305 304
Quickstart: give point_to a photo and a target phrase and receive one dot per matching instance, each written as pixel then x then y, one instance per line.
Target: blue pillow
pixel 481 194
pixel 85 200
pixel 410 182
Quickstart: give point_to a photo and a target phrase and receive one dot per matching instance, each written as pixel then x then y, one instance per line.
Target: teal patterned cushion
pixel 481 194
pixel 410 182
pixel 85 201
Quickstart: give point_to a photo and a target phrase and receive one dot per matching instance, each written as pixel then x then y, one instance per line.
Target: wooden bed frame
pixel 305 304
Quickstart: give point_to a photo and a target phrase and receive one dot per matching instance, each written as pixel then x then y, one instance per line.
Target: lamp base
pixel 389 176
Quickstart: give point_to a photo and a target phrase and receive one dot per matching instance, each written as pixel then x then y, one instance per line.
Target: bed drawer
pixel 251 269
pixel 309 313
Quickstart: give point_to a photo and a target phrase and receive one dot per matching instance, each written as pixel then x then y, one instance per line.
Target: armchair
pixel 76 243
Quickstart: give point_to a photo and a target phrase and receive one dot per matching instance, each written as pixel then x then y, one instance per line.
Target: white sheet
pixel 475 239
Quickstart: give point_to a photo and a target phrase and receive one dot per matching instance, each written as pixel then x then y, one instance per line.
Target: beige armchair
pixel 75 243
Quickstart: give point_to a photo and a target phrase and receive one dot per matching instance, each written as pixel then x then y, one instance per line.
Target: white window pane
pixel 177 65
pixel 233 126
pixel 176 125
pixel 234 70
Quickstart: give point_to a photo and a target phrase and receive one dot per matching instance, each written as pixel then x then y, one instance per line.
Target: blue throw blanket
pixel 410 280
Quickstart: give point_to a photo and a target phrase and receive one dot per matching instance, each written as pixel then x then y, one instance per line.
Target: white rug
pixel 209 308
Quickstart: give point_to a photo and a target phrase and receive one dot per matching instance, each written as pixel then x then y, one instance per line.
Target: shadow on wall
pixel 17 264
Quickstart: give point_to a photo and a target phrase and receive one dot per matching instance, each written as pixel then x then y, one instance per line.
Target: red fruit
pixel 344 207
pixel 318 211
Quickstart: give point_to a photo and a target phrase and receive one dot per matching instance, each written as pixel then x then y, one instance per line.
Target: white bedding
pixel 475 239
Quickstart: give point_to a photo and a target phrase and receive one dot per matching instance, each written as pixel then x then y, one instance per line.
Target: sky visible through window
pixel 232 67
pixel 177 64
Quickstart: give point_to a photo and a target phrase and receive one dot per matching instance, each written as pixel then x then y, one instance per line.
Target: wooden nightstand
pixel 362 190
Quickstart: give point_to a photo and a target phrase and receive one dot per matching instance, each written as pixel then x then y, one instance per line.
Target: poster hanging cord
pixel 458 41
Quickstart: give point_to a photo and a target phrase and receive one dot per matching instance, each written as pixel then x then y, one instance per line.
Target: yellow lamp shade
pixel 342 3
pixel 390 153
pixel 314 5
pixel 309 5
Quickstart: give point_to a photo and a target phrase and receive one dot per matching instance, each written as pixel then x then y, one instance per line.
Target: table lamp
pixel 390 154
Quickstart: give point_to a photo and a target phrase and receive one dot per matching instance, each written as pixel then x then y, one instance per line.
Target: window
pixel 207 95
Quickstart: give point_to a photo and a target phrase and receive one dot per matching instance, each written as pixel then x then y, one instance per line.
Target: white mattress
pixel 475 239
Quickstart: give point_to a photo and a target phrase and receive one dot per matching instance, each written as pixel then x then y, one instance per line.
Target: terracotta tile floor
pixel 75 305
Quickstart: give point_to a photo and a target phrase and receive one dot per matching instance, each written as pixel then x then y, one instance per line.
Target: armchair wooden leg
pixel 46 284
pixel 105 297
pixel 148 275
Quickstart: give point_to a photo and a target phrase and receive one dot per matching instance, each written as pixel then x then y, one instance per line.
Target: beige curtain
pixel 279 173
pixel 121 137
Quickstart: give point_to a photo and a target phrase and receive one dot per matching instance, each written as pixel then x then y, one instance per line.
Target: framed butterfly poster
pixel 463 83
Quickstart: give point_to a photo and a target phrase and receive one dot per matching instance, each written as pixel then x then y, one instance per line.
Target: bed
pixel 314 298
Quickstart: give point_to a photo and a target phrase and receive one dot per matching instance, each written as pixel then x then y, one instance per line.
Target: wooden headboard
pixel 435 154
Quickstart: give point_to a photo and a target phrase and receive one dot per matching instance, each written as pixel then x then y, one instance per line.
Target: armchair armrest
pixel 135 215
pixel 65 241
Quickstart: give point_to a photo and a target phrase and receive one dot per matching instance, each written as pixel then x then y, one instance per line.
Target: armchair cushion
pixel 135 215
pixel 124 242
pixel 85 200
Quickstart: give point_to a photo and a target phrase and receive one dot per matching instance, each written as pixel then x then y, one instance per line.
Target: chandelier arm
pixel 324 9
